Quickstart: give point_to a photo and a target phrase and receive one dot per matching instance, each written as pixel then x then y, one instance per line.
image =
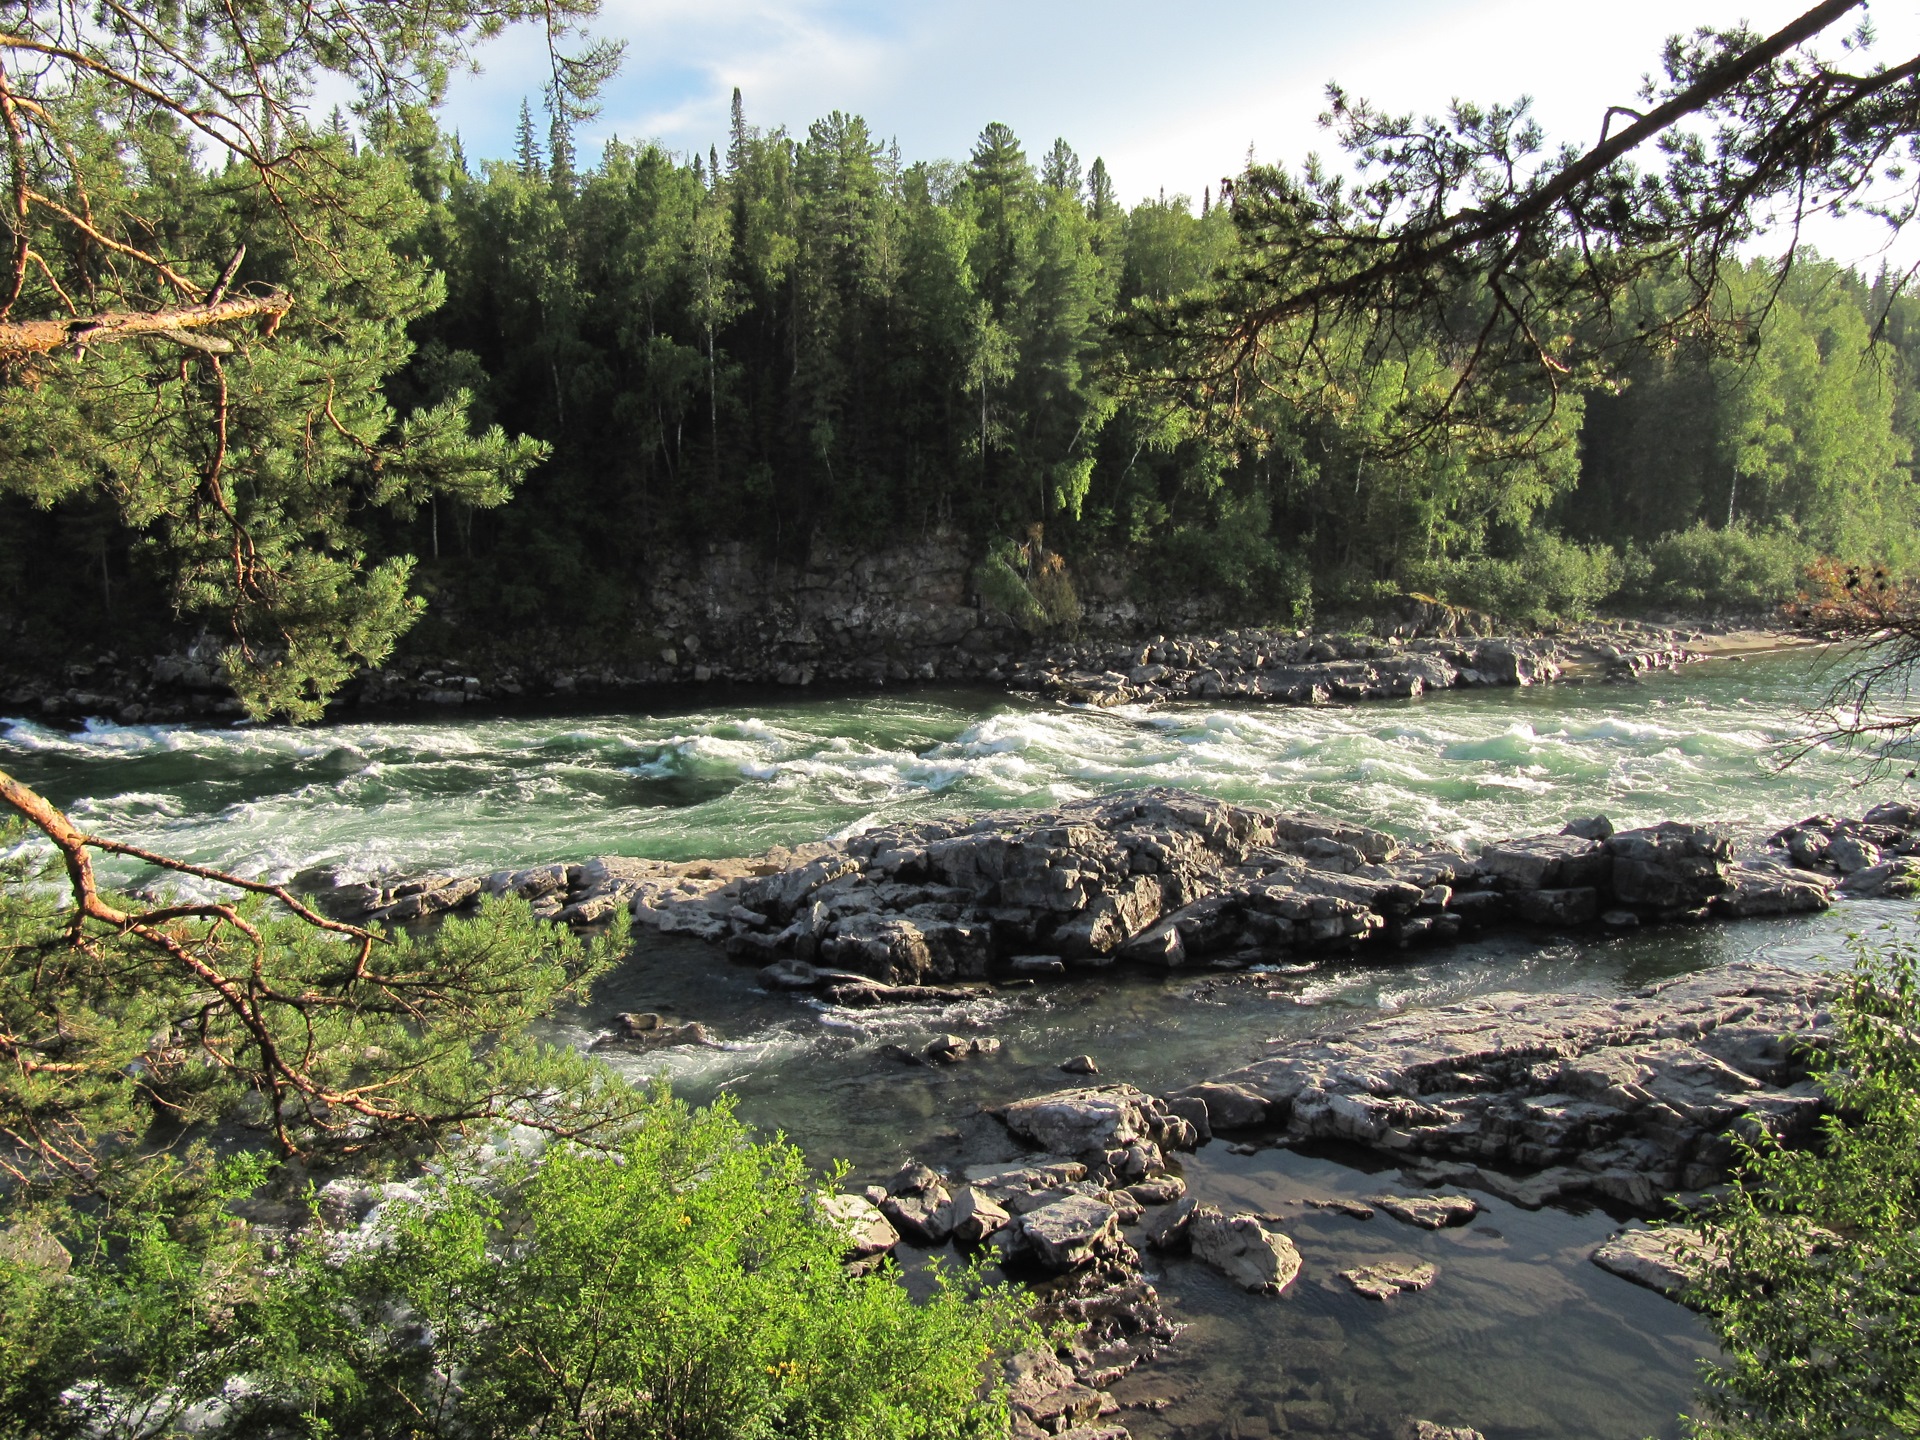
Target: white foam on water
pixel 369 799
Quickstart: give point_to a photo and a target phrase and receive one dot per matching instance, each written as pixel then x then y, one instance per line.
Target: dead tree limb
pixel 21 338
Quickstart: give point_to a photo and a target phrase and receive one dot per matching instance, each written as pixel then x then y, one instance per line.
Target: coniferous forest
pixel 802 335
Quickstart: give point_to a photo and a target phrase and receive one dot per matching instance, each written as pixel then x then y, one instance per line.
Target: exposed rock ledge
pixel 1167 878
pixel 1626 1098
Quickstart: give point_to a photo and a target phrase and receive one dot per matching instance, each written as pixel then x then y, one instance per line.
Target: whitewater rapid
pixel 373 798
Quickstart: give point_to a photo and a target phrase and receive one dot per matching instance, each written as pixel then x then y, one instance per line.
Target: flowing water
pixel 1520 1337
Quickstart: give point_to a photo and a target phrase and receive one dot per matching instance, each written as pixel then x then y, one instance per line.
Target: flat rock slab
pixel 859 1222
pixel 1666 1260
pixel 1391 1277
pixel 1429 1212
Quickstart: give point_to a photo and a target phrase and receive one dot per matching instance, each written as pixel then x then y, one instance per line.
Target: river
pixel 1521 1337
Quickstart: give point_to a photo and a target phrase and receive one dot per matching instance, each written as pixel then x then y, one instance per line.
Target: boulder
pixel 1080 1122
pixel 1245 1251
pixel 1545 862
pixel 859 1222
pixel 1067 1232
pixel 975 1217
pixel 1898 878
pixel 1167 1230
pixel 1227 1107
pixel 1043 1391
pixel 919 1205
pixel 1574 906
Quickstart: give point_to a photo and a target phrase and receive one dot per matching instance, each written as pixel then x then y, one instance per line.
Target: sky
pixel 1171 96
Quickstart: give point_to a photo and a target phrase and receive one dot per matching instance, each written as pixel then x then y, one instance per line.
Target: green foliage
pixel 1814 1282
pixel 682 1287
pixel 1549 578
pixel 1029 584
pixel 1737 567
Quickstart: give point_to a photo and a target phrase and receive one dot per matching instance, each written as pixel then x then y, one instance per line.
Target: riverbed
pixel 1519 1337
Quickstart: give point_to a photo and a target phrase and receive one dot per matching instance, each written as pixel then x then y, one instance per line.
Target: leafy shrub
pixel 682 1287
pixel 1735 567
pixel 1235 559
pixel 675 1283
pixel 1551 577
pixel 1814 1289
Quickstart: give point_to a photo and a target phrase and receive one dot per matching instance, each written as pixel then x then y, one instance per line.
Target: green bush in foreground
pixel 682 1287
pixel 584 1260
pixel 1815 1289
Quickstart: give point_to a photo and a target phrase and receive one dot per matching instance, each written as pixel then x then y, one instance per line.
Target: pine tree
pixel 1060 170
pixel 527 157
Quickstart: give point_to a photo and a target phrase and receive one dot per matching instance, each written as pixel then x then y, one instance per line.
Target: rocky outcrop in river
pixel 1298 668
pixel 1629 1099
pixel 1166 878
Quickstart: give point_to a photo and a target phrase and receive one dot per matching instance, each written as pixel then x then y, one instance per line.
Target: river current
pixel 1520 1337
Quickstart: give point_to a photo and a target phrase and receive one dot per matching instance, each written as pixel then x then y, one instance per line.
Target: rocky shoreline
pixel 1427 647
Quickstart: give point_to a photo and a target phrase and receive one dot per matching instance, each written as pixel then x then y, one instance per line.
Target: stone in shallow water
pixel 1245 1251
pixel 1390 1277
pixel 1429 1212
pixel 866 1231
pixel 1665 1260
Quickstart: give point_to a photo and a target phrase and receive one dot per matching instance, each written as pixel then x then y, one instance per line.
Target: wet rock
pixel 1752 889
pixel 1080 1065
pixel 1667 1259
pixel 1043 1392
pixel 1429 1212
pixel 951 1049
pixel 1067 1232
pixel 1387 1278
pixel 1670 866
pixel 1245 1251
pixel 1899 878
pixel 1574 906
pixel 859 1222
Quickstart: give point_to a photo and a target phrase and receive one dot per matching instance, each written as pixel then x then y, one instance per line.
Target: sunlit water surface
pixel 1520 1337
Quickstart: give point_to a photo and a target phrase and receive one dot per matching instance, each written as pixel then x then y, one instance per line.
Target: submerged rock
pixel 1387 1278
pixel 1429 1212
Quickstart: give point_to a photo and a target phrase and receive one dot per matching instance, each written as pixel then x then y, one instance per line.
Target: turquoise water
pixel 1520 1336
pixel 369 798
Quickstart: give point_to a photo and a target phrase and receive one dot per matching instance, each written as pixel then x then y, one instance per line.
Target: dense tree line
pixel 807 334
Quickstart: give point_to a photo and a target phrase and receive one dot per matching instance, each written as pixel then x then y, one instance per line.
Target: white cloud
pixel 1171 98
